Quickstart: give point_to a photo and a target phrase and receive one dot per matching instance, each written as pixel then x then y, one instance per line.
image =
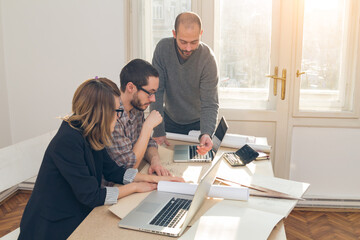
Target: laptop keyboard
pixel 195 155
pixel 172 213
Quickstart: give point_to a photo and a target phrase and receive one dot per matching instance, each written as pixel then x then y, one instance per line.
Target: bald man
pixel 188 83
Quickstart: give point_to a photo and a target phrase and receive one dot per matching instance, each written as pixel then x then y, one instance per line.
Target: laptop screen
pixel 219 134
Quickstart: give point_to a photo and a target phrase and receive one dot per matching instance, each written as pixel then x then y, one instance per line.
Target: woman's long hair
pixel 93 107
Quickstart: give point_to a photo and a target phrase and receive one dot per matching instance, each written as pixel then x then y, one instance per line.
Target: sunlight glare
pixel 229 226
pixel 192 174
pixel 315 5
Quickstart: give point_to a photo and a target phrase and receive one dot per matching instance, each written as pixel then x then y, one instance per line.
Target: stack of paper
pixel 230 140
pixel 216 191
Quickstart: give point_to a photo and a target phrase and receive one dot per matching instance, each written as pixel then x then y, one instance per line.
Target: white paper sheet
pixel 274 205
pixel 224 221
pixel 216 191
pixel 231 193
pixel 230 140
pixel 127 204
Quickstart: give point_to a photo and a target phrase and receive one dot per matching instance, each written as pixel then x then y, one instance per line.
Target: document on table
pixel 127 204
pixel 273 205
pixel 252 219
pixel 226 220
pixel 230 140
pixel 216 191
pixel 282 207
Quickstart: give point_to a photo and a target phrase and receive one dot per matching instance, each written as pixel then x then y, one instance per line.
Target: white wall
pixel 49 48
pixel 5 136
pixel 333 168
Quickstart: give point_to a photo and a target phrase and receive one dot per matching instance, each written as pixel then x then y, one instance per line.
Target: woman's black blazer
pixel 67 187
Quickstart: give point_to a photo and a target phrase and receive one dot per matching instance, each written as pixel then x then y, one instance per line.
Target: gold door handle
pixel 283 84
pixel 298 73
pixel 275 77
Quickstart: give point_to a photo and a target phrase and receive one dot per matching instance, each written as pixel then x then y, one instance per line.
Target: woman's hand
pixel 145 183
pixel 135 187
pixel 144 186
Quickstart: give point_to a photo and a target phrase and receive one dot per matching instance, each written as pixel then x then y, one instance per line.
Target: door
pixel 309 51
pixel 253 38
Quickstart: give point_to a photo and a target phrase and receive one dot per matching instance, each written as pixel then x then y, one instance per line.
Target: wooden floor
pixel 323 224
pixel 11 211
pixel 304 224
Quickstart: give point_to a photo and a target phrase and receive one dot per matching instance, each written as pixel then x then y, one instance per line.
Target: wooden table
pixel 102 224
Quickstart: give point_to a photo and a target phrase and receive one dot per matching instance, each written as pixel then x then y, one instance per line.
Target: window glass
pixel 245 43
pixel 164 13
pixel 323 34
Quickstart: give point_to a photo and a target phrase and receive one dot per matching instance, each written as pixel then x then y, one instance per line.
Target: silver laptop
pixel 187 153
pixel 169 213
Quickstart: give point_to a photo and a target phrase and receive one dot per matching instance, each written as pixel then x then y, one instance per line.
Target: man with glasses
pixel 188 93
pixel 132 141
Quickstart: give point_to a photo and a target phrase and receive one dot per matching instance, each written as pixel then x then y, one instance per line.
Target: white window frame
pixel 349 90
pixel 137 28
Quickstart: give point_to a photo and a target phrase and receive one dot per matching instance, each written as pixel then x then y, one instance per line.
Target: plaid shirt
pixel 126 133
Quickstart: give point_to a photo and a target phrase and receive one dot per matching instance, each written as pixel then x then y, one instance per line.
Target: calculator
pixel 242 156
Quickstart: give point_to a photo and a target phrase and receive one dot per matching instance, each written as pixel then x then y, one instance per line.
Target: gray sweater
pixel 189 90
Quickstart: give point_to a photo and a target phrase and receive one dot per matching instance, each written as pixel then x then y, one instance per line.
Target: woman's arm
pixel 134 187
pixel 132 180
pixel 144 183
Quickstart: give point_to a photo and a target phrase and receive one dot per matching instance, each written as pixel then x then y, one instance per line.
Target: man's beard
pixel 184 52
pixel 135 102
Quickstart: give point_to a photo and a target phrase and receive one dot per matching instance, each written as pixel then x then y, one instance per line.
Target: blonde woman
pixel 68 185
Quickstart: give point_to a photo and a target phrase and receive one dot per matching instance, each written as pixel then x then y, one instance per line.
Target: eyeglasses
pixel 119 112
pixel 146 91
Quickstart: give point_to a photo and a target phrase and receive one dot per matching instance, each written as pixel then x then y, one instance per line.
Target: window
pixel 324 57
pixel 245 43
pixel 149 22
